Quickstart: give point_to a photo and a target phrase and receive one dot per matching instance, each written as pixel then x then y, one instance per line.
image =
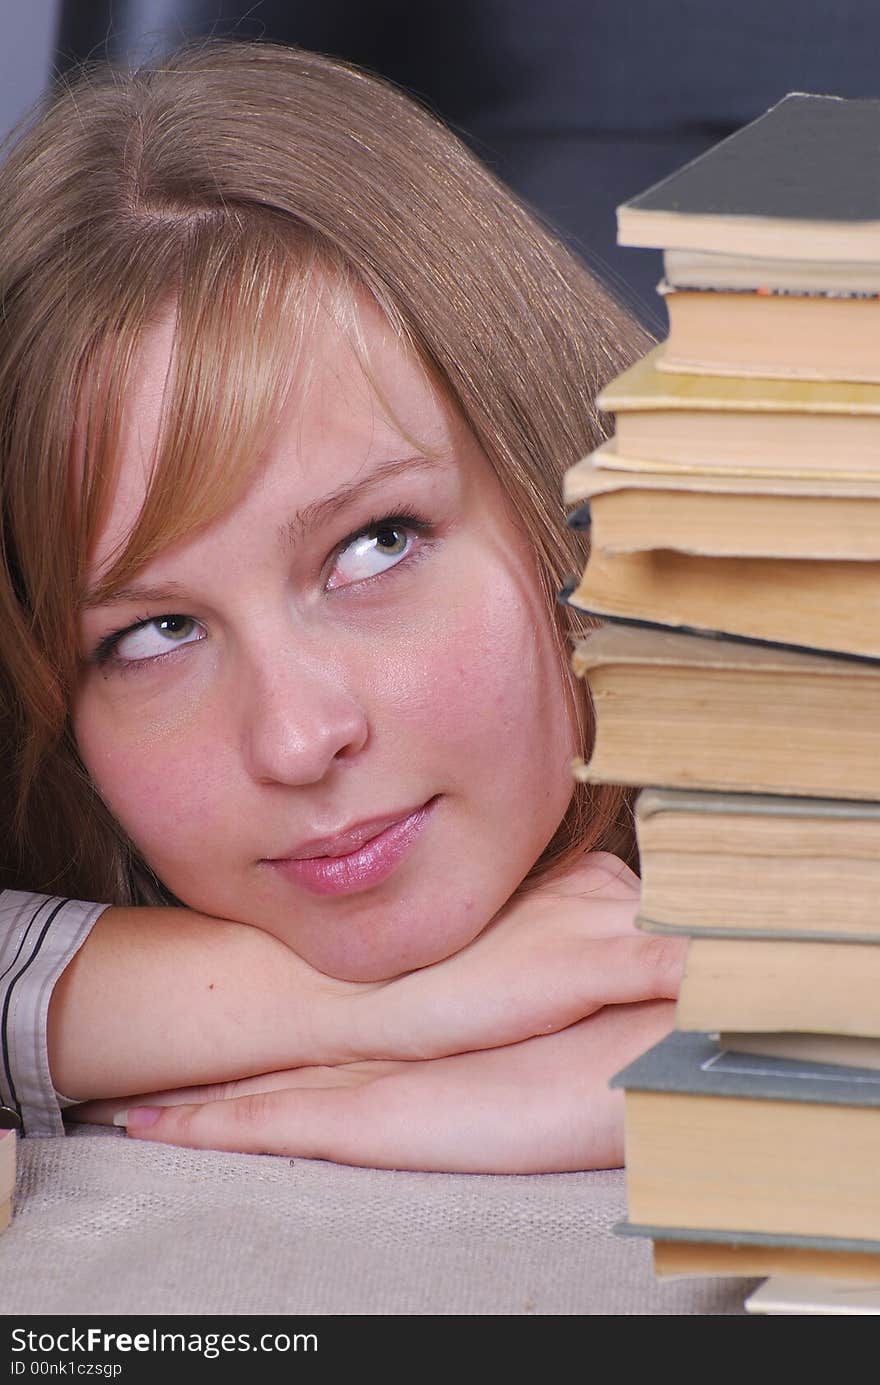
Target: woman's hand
pixel 554 955
pixel 539 1106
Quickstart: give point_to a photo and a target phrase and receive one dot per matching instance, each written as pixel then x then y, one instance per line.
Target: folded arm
pixel 540 1106
pixel 162 1000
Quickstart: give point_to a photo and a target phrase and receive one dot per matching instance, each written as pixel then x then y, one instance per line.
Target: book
pixel 845 1050
pixel 755 865
pixel 725 1142
pixel 763 984
pixel 700 269
pixel 820 1297
pixel 684 711
pixel 721 515
pixel 8 1151
pixel 669 421
pixel 799 603
pixel 686 1253
pixel 794 183
pixel 807 336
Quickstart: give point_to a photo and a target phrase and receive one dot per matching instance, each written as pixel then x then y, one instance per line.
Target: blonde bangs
pixel 249 298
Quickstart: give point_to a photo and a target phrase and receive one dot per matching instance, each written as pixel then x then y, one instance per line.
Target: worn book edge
pixel 660 800
pixel 692 1063
pixel 790 1294
pixel 695 270
pixel 643 386
pixel 631 642
pixel 605 470
pixel 8 1153
pixel 747 1238
pixel 707 633
pixel 814 935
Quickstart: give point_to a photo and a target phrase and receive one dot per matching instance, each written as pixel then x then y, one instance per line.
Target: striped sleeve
pixel 39 934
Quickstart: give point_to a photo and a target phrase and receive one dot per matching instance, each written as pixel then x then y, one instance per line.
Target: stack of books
pixel 735 567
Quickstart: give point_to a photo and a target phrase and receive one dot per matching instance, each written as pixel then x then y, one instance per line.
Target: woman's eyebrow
pixel 321 511
pixel 168 592
pixel 310 517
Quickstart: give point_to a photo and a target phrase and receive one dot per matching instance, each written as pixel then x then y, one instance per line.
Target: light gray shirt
pixel 39 934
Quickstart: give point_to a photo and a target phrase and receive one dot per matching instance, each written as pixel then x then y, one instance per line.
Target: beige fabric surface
pixel 107 1225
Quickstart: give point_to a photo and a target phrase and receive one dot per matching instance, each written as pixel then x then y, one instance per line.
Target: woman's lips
pixel 369 864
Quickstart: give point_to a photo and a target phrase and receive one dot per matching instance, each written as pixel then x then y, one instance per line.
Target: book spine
pixel 8 1152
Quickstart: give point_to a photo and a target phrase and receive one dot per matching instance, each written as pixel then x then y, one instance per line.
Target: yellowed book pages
pixel 758 865
pixel 659 649
pixel 707 1259
pixel 791 984
pixel 808 336
pixel 706 422
pixel 741 1163
pixel 644 387
pixel 8 1153
pixel 817 1297
pixel 724 515
pixel 721 1143
pixel 697 713
pixel 696 269
pixel 766 236
pixel 832 606
pixel 841 1050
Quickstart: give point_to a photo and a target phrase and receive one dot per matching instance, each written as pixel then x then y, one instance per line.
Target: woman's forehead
pixel 356 394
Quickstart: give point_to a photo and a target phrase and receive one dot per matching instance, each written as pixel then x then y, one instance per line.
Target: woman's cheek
pixel 157 771
pixel 486 666
pixel 450 675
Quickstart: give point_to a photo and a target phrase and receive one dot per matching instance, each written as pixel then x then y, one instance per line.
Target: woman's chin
pixel 344 966
pixel 366 957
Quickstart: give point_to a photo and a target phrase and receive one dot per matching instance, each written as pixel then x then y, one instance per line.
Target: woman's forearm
pixel 165 997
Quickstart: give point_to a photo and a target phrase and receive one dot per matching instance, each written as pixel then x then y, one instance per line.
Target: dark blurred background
pixel 577 104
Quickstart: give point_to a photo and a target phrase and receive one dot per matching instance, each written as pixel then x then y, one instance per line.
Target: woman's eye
pixel 155 637
pixel 372 551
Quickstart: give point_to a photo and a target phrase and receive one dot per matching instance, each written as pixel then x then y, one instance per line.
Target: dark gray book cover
pixel 696 1064
pixel 809 157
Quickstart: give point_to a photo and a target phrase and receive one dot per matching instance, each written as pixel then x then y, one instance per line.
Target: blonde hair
pixel 230 179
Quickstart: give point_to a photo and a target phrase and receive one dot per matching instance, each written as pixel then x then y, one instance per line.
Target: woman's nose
pixel 300 719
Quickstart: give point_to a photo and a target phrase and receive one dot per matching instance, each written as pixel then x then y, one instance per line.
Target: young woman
pixel 287 387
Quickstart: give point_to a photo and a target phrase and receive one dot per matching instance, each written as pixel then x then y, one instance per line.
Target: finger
pixel 442 1120
pixel 541 1106
pixel 622 970
pixel 108 1112
pixel 644 966
pixel 312 1123
pixel 507 999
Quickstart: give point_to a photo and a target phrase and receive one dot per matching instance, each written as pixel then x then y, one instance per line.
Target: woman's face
pixel 337 712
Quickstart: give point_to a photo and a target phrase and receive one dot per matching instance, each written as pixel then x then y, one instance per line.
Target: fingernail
pixel 138 1117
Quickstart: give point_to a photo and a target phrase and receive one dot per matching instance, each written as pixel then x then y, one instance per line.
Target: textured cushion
pixel 104 1224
